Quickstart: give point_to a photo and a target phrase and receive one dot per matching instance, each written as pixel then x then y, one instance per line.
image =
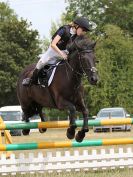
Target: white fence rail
pixel 66 161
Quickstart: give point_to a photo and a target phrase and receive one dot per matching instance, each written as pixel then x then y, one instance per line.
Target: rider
pixel 58 45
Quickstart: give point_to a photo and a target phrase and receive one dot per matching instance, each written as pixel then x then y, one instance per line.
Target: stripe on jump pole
pixel 65 144
pixel 65 124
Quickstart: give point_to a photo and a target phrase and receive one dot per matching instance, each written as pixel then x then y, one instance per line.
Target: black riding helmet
pixel 83 23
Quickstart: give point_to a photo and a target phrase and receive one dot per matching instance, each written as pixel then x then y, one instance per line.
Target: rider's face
pixel 81 31
pixel 74 29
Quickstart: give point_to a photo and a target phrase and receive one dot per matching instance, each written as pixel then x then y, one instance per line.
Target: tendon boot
pixel 32 80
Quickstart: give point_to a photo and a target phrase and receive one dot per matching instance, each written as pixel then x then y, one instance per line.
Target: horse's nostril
pixel 93 79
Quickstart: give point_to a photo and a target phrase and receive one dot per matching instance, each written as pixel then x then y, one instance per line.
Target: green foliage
pixel 101 12
pixel 115 52
pixel 19 47
pixel 54 114
pixel 45 44
pixel 120 13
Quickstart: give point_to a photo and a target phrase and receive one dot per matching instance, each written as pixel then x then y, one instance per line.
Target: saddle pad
pixel 51 76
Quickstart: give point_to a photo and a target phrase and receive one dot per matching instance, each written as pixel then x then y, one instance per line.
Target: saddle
pixel 46 74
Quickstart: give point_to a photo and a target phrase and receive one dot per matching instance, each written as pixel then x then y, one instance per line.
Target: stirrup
pixel 26 82
pixel 45 82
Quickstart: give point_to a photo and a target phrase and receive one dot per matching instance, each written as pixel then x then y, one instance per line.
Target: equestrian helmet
pixel 83 23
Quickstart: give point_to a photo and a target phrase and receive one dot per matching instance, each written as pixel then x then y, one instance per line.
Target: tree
pixel 19 47
pixel 120 13
pixel 102 12
pixel 115 52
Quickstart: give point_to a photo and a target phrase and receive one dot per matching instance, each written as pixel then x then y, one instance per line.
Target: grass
pixel 107 173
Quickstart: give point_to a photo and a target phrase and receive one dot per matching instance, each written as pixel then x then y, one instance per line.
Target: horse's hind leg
pixel 28 111
pixel 42 116
pixel 26 119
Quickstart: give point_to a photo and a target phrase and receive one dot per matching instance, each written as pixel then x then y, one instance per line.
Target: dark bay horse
pixel 65 91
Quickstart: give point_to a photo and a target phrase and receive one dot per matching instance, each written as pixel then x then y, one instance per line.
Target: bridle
pixel 92 69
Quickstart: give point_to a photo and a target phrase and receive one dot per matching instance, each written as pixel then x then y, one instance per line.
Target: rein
pixel 92 69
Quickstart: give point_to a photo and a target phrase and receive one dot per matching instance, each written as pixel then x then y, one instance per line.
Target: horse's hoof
pixel 42 130
pixel 70 133
pixel 80 136
pixel 26 132
pixel 86 129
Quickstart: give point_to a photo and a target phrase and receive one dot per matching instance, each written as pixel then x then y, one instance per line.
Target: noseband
pixel 92 69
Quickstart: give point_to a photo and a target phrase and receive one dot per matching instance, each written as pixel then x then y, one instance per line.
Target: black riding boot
pixel 34 77
pixel 32 80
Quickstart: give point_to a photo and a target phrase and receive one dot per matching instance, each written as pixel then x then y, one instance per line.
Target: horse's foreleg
pixel 85 121
pixel 72 125
pixel 63 104
pixel 81 134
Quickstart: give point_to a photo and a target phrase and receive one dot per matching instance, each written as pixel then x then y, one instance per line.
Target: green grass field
pixel 107 173
pixel 60 135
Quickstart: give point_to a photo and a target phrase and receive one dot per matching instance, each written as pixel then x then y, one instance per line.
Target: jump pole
pixel 65 124
pixel 65 144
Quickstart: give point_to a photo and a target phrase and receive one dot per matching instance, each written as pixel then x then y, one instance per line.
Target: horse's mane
pixel 81 43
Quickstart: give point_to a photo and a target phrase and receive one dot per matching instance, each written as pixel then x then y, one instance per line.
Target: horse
pixel 66 90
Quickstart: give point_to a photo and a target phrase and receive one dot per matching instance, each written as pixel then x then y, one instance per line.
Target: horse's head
pixel 86 57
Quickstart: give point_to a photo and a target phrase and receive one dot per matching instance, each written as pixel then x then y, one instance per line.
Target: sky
pixel 39 12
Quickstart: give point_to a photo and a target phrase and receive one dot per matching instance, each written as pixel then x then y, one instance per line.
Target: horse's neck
pixel 74 62
pixel 75 69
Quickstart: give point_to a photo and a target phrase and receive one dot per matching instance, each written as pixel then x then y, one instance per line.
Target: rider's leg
pixel 45 58
pixel 34 78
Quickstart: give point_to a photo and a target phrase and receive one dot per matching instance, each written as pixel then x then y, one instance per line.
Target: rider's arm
pixel 54 46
